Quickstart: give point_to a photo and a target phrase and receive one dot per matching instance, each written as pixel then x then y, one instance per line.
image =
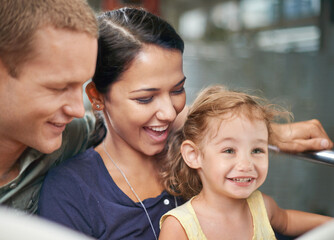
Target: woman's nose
pixel 166 110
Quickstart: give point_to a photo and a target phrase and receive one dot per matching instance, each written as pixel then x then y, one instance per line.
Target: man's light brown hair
pixel 20 19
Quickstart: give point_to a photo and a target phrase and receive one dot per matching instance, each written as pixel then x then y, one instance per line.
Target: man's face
pixel 47 94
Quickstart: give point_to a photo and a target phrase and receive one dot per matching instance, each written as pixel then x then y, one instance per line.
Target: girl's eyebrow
pixel 260 140
pixel 231 139
pixel 157 89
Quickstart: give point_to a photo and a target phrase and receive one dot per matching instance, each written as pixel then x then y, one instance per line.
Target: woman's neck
pixel 124 154
pixel 139 169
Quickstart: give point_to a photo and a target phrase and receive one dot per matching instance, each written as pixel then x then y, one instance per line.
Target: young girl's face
pixel 235 158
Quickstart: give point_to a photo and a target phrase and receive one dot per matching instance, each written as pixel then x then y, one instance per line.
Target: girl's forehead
pixel 223 121
pixel 246 113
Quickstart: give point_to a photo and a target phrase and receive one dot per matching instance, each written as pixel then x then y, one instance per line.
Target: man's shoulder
pixel 76 165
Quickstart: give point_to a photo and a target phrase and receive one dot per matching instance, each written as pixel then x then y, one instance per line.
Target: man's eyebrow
pixel 157 89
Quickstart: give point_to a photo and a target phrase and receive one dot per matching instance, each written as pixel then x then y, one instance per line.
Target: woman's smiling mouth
pixel 158 133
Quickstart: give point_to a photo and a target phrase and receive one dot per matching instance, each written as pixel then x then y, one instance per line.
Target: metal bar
pixel 322 157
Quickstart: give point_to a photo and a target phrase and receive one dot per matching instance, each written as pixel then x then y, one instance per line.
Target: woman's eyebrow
pixel 181 82
pixel 156 89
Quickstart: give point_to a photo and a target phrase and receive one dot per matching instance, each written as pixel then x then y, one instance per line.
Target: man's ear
pixel 3 70
pixel 191 154
pixel 94 97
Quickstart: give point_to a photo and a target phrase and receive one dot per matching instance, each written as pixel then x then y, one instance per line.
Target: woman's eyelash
pixel 181 90
pixel 144 100
pixel 149 99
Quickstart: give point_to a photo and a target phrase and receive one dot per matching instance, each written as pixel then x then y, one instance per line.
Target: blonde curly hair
pixel 177 177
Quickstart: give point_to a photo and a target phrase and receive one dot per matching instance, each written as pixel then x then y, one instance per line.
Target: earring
pixel 97 106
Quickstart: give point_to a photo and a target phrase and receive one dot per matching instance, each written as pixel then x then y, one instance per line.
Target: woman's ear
pixel 94 97
pixel 191 154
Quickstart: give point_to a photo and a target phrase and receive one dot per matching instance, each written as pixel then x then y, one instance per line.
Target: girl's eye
pixel 229 150
pixel 144 100
pixel 179 91
pixel 258 150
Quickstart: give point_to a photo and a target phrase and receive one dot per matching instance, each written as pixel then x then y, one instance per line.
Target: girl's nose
pixel 245 164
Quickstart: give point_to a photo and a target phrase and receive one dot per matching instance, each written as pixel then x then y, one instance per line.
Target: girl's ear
pixel 94 97
pixel 191 154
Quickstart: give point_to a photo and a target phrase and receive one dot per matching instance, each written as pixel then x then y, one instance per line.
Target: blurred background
pixel 283 50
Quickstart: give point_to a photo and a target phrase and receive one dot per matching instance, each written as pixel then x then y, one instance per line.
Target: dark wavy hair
pixel 122 35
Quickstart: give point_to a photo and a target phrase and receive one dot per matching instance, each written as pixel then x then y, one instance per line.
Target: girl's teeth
pixel 242 179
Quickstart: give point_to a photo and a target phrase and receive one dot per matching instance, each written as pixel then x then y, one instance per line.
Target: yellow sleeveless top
pixel 188 219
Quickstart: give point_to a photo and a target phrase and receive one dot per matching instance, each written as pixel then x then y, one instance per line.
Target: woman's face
pixel 142 105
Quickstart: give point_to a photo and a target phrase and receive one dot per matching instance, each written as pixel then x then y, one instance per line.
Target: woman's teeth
pixel 158 129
